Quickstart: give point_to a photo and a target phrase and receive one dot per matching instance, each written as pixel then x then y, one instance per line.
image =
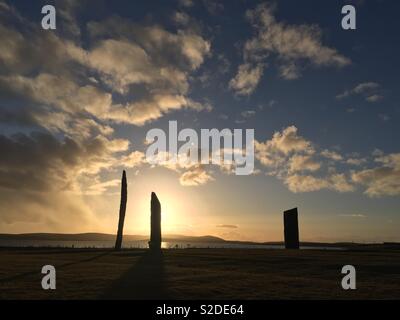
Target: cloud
pixel 282 143
pixel 181 18
pixel 300 165
pixel 383 180
pixel 36 211
pixel 186 3
pixel 299 183
pixel 155 107
pixel 64 101
pixel 367 89
pixel 353 215
pixel 40 179
pixel 60 92
pixel 303 163
pixel 195 177
pixel 247 78
pixel 248 114
pixel 227 226
pixel 134 159
pixel 23 51
pixel 306 183
pixel 41 162
pixel 333 155
pixel 292 45
pixel 214 7
pixel 101 187
pixel 151 58
pixel 374 98
pixel 295 160
pixel 148 65
pixel 289 71
pixel 185 50
pixel 340 183
pixel 356 161
pixel 67 11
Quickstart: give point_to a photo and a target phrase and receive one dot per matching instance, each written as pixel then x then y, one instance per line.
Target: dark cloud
pixel 41 162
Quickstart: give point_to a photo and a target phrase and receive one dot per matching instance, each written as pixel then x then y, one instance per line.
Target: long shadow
pixel 58 267
pixel 144 281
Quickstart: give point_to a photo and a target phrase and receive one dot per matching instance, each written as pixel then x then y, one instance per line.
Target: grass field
pixel 199 274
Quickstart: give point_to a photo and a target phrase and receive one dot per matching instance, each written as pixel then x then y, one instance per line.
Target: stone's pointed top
pixel 124 178
pixel 154 200
pixel 155 222
pixel 154 197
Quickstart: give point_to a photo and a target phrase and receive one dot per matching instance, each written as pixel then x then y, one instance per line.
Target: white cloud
pixel 289 71
pixel 60 92
pixel 383 180
pixel 284 142
pixel 134 159
pixel 303 163
pixel 186 3
pixel 181 18
pixel 374 98
pixel 354 215
pixel 307 183
pixel 340 183
pixel 195 177
pixel 100 188
pixel 248 114
pixel 299 183
pixel 356 161
pixel 247 78
pixel 127 57
pixel 367 89
pixel 293 45
pixel 289 156
pixel 333 155
pixel 68 95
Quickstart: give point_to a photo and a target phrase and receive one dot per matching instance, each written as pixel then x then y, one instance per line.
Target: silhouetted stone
pixel 155 219
pixel 291 226
pixel 122 210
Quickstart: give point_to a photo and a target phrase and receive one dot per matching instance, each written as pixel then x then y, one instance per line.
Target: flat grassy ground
pixel 199 274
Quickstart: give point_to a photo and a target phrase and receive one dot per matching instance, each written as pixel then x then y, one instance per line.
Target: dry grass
pixel 199 274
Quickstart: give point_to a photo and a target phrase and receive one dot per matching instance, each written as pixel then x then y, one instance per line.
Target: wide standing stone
pixel 291 226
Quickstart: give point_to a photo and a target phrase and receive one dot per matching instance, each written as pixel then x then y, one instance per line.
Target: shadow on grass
pixel 144 281
pixel 58 267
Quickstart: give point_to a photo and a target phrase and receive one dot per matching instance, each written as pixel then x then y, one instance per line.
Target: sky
pixel 77 102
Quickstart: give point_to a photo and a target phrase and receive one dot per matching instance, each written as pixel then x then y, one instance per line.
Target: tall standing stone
pixel 122 210
pixel 291 226
pixel 155 220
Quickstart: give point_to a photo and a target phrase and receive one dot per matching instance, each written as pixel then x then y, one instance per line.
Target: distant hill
pixel 102 237
pixel 177 238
